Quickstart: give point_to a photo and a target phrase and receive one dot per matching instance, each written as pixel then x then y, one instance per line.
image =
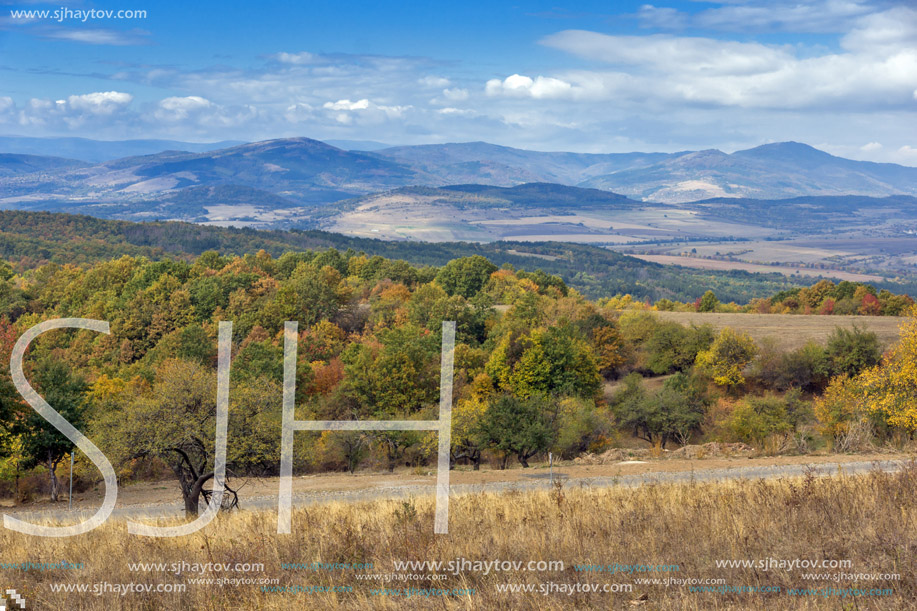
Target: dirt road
pixel 160 499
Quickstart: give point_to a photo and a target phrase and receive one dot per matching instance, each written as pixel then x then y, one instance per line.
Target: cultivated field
pixel 791 330
pixel 786 270
pixel 893 254
pixel 676 532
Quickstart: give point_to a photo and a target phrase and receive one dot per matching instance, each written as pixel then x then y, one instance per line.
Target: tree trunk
pixel 192 496
pixel 55 483
pixel 191 505
pixel 523 460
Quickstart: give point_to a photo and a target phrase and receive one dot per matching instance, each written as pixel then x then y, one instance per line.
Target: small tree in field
pixel 708 302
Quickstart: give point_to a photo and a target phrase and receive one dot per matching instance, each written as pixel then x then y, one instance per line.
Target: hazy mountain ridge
pixel 300 169
pixel 306 172
pixel 771 171
pixel 98 151
pixel 16 164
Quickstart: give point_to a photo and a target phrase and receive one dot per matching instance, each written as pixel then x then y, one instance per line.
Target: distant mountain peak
pixel 789 151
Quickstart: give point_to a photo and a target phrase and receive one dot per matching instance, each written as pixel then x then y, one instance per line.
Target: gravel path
pixel 534 482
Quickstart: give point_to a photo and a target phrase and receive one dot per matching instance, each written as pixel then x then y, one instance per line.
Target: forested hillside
pixel 29 239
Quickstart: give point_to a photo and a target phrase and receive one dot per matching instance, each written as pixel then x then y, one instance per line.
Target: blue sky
pixel 591 76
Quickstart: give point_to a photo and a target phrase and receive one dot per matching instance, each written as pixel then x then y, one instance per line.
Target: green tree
pixel 674 412
pixel 519 427
pixel 756 418
pixel 6 271
pixel 312 294
pixel 465 276
pixel 43 444
pixel 396 377
pixel 853 350
pixel 708 302
pixel 674 347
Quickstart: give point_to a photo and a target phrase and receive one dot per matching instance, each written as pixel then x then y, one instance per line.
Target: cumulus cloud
pixel 347 105
pixel 179 109
pixel 73 112
pixel 886 33
pixel 878 68
pixel 870 146
pixel 363 110
pixel 521 86
pixel 100 103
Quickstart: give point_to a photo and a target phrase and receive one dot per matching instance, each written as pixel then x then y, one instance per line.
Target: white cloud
pixel 347 105
pixel 98 36
pixel 434 82
pixel 100 103
pixel 457 112
pixel 460 95
pixel 870 146
pixel 877 70
pixel 301 58
pixel 299 112
pixel 521 86
pixel 660 51
pixel 195 114
pixel 885 33
pixel 179 109
pixel 75 111
pixel 821 16
pixel 366 110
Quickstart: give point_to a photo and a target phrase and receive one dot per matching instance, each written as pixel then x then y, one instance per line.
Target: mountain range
pixel 295 173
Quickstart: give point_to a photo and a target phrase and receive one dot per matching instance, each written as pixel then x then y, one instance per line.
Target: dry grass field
pixel 791 330
pixel 867 521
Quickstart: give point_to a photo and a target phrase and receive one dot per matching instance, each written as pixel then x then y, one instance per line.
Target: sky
pixel 607 76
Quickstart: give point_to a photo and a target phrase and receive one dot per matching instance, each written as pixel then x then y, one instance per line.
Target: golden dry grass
pixel 868 519
pixel 791 330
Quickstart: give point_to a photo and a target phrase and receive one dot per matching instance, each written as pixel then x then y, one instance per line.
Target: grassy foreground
pixel 870 520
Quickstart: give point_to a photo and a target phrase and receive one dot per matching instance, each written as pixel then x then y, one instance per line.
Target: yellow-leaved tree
pixel 891 388
pixel 727 357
